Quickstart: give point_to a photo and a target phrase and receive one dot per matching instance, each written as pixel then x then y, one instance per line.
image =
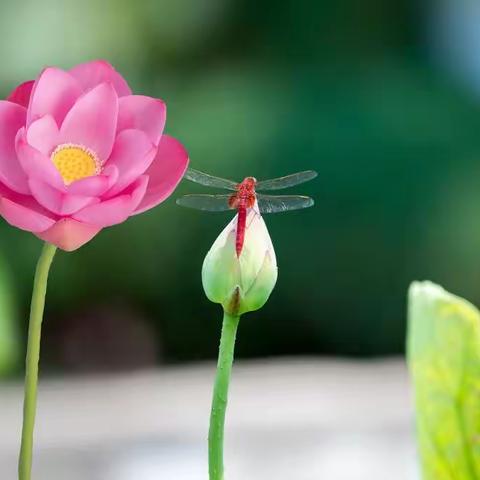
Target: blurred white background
pixel 287 420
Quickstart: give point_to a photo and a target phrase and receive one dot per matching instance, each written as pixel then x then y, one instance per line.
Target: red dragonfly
pixel 245 196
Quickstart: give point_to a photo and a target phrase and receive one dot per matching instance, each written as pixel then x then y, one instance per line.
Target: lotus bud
pixel 241 283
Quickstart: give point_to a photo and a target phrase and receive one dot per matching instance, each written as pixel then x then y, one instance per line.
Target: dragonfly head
pixel 249 183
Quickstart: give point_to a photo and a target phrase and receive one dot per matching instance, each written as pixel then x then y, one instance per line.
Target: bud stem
pixel 220 396
pixel 33 355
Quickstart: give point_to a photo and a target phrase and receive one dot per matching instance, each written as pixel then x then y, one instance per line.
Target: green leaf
pixel 444 359
pixel 9 335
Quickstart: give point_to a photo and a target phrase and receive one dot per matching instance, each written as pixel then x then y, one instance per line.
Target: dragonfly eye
pixel 250 182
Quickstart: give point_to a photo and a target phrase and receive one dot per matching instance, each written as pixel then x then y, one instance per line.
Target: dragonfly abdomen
pixel 241 223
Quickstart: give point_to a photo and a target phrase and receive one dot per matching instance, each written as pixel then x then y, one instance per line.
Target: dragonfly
pixel 243 196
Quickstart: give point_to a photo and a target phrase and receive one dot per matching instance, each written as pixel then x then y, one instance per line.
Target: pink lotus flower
pixel 79 152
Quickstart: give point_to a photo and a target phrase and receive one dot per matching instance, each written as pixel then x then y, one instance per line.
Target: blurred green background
pixel 381 98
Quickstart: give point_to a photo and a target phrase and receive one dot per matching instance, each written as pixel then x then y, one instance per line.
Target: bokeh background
pixel 382 98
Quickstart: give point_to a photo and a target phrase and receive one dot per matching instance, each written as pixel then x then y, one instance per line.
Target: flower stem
pixel 33 355
pixel 220 396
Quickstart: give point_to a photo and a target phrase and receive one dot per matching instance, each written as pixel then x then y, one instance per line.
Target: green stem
pixel 33 356
pixel 220 396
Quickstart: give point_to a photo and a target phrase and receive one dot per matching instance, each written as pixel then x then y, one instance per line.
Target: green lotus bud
pixel 241 283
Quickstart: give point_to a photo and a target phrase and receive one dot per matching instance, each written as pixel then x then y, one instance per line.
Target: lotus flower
pixel 241 283
pixel 79 152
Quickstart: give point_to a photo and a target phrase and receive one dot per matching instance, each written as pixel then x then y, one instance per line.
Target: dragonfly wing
pixel 286 182
pixel 282 203
pixel 208 203
pixel 209 180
